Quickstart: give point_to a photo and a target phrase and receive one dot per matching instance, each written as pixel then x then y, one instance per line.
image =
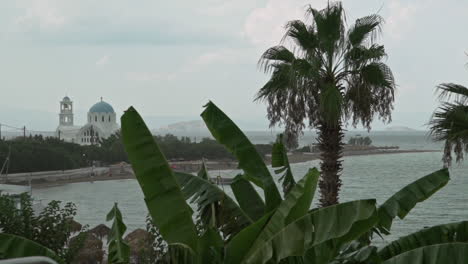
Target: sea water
pixel 364 177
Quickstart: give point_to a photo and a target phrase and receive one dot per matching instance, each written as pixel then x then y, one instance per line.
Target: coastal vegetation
pixel 330 76
pixel 51 227
pixel 360 141
pixel 41 154
pixel 36 153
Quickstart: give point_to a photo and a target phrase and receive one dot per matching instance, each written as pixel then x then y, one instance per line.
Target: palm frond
pixel 368 26
pixel 329 23
pixel 452 90
pixel 281 79
pixel 378 74
pixel 302 34
pixel 360 55
pixel 273 56
pixel 450 124
pixel 369 93
pixel 289 95
pixel 287 77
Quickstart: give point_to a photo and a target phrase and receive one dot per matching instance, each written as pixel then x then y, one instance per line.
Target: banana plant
pixel 248 229
pixel 439 234
pixel 214 207
pixel 119 250
pixel 262 227
pixel 280 162
pixel 227 133
pixel 400 204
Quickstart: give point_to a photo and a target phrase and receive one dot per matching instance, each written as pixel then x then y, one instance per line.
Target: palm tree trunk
pixel 330 138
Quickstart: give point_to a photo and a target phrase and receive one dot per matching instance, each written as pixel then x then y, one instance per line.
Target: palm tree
pixel 449 122
pixel 332 76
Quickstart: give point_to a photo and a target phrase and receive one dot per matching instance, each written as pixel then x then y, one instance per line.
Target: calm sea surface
pixel 377 176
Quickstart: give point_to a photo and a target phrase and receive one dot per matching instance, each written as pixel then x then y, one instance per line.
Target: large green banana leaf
pixel 280 162
pixel 230 217
pixel 453 232
pixel 208 212
pixel 227 133
pixel 450 253
pixel 241 243
pixel 247 197
pixel 322 253
pixel 119 250
pixel 163 197
pixel 261 249
pixel 210 247
pixel 302 206
pixel 335 224
pixel 406 199
pixel 12 246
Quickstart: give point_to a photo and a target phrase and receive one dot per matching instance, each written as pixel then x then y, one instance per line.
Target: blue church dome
pixel 101 107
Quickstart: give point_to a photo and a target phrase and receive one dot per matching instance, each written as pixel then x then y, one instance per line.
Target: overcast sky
pixel 168 58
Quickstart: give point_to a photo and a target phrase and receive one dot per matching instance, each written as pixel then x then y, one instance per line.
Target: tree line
pixel 38 153
pixel 360 141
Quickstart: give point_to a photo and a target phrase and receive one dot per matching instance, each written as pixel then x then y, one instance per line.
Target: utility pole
pixel 6 164
pixel 0 132
pixel 29 183
pixel 24 132
pixel 59 134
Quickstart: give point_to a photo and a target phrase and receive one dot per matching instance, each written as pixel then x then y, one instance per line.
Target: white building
pixel 101 123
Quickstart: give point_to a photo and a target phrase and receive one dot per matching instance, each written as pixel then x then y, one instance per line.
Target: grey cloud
pixel 98 32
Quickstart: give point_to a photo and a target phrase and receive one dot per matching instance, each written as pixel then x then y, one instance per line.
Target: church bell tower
pixel 66 112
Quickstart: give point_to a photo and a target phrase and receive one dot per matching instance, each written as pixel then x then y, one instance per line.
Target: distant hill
pixel 400 128
pixel 184 126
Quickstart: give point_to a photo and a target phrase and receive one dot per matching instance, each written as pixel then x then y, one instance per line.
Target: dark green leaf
pixel 227 133
pixel 406 199
pixel 295 205
pixel 453 253
pixel 335 224
pixel 248 198
pixel 330 25
pixel 280 162
pixel 230 218
pixel 158 183
pixel 303 204
pixel 241 243
pixel 119 250
pixel 364 27
pixel 211 247
pixel 12 246
pixel 303 35
pixel 440 234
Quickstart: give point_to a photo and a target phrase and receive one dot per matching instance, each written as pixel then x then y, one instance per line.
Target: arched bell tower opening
pixel 66 112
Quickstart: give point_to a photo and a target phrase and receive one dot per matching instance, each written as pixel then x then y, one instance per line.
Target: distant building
pixel 101 123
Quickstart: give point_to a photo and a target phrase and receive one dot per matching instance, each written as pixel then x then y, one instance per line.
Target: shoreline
pixel 117 172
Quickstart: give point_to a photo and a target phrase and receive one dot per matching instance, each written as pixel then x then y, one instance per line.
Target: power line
pixel 22 130
pixel 10 126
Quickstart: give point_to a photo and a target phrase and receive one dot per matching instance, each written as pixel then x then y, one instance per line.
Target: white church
pixel 101 123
